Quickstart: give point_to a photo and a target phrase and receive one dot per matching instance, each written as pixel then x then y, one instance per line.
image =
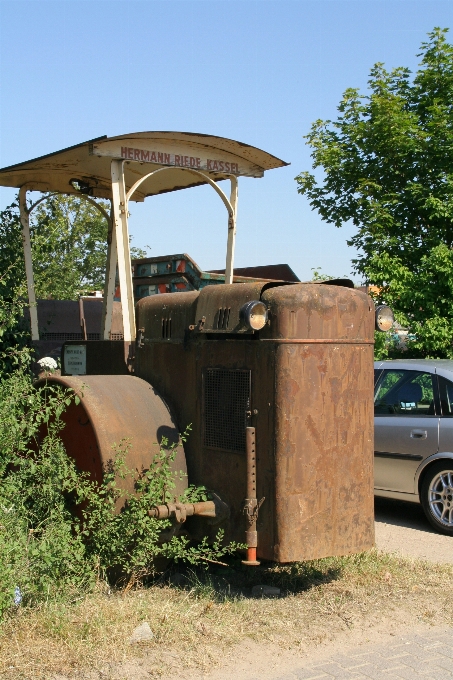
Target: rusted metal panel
pixel 105 357
pixel 323 451
pixel 115 409
pixel 318 312
pixel 177 372
pixel 218 308
pixel 166 317
pixel 59 321
pixel 304 383
pixel 311 403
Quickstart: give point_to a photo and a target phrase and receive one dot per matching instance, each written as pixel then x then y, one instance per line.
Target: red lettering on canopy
pixel 153 157
pixel 186 161
pixel 177 160
pixel 209 164
pixel 145 155
pixel 136 154
pixel 167 158
pixel 160 157
pixel 130 153
pixel 215 166
pixel 124 151
pixel 227 166
pixel 221 165
pixel 198 162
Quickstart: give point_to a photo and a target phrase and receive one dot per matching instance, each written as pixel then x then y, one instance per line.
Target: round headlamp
pixel 384 318
pixel 254 315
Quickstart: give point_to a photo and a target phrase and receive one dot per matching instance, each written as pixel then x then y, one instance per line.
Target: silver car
pixel 413 437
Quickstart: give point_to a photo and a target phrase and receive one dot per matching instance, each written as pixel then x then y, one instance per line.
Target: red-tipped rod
pixel 251 505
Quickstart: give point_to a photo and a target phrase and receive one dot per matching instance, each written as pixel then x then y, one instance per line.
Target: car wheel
pixel 437 496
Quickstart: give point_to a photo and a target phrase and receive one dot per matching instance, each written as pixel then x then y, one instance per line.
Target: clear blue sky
pixel 257 71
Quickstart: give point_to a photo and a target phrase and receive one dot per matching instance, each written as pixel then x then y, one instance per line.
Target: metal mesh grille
pixel 226 398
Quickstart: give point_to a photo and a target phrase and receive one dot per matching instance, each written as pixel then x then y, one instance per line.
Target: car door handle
pixel 419 434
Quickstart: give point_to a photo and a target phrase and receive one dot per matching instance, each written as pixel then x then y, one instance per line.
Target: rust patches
pixel 310 402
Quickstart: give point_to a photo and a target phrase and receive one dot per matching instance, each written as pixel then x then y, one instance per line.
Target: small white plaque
pixel 75 359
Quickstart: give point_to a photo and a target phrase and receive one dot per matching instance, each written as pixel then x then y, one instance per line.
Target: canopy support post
pixel 110 275
pixel 231 206
pixel 121 235
pixel 25 222
pixel 231 230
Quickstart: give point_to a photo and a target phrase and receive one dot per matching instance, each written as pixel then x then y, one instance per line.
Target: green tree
pixel 69 248
pixel 69 237
pixel 387 163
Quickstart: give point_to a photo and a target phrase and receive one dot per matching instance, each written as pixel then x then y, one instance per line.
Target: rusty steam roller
pixel 275 376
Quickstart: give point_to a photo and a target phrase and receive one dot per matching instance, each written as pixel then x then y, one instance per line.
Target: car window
pixel 446 396
pixel 377 373
pixel 405 393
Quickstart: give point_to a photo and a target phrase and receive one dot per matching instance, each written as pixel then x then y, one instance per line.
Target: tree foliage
pixel 387 163
pixel 69 247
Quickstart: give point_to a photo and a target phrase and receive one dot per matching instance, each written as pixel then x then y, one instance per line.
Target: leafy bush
pixel 41 551
pixel 59 531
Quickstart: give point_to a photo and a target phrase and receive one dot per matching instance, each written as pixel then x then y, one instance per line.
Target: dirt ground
pixel 253 661
pixel 273 637
pixel 402 528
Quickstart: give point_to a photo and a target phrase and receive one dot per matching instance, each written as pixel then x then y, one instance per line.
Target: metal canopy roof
pixel 89 164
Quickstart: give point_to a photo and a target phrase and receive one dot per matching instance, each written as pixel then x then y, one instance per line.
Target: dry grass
pixel 194 623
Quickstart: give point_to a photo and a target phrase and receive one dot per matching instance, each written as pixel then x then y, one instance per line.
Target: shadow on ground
pixel 401 514
pixel 233 579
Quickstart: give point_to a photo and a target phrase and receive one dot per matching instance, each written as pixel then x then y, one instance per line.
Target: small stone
pixel 265 591
pixel 142 633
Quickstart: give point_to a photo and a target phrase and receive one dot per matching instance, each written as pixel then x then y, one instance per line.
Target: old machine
pixel 275 376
